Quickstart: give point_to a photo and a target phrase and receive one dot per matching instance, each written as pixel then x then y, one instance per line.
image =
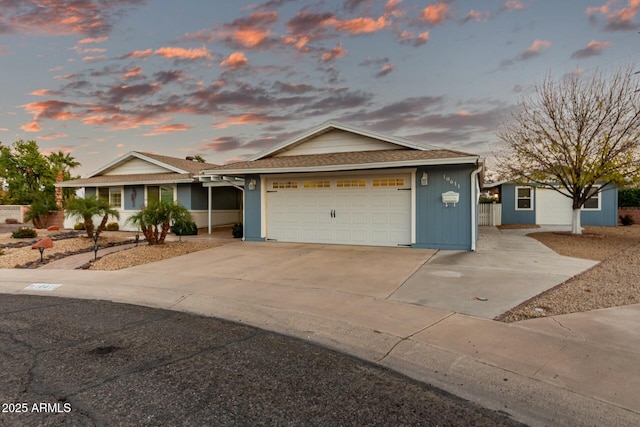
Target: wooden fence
pixel 490 214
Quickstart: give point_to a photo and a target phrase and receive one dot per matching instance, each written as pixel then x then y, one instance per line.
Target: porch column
pixel 209 207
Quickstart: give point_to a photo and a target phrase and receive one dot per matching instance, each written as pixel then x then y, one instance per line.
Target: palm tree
pixel 62 162
pixel 156 219
pixel 88 207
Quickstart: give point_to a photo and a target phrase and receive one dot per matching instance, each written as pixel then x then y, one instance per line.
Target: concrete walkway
pixel 578 369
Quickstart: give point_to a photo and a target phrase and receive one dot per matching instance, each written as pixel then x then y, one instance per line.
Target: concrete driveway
pixel 506 270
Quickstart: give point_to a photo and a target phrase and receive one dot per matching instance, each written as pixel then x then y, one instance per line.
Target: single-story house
pixel 536 204
pixel 130 181
pixel 340 184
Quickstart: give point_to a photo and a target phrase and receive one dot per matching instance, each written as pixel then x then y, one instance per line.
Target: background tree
pixel 64 162
pixel 199 158
pixel 26 172
pixel 156 219
pixel 89 207
pixel 575 134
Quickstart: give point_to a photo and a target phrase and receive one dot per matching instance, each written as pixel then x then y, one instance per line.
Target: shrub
pixel 112 226
pixel 24 233
pixel 78 226
pixel 236 231
pixel 629 198
pixel 626 219
pixel 11 221
pixel 186 228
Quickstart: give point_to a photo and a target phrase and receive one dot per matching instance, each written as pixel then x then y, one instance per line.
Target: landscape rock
pixel 46 243
pixel 53 228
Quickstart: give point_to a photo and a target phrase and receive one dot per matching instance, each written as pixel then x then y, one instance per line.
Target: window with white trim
pixel 321 183
pixel 388 182
pixel 593 202
pixel 524 198
pixel 113 195
pixel 162 193
pixel 347 183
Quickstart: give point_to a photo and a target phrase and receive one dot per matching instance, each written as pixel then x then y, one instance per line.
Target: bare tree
pixel 579 135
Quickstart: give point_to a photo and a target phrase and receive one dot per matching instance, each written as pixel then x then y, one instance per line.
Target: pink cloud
pixel 181 53
pixel 476 16
pixel 91 40
pixel 436 13
pixel 513 5
pixel 94 58
pixel 335 53
pixel 537 46
pixel 52 136
pixel 140 53
pixel 617 19
pixel 235 60
pixel 593 48
pixel 241 119
pixel 134 72
pixel 165 129
pixel 41 92
pixel 407 37
pixel 358 25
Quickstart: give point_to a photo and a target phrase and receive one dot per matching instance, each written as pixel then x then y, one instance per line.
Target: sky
pixel 227 79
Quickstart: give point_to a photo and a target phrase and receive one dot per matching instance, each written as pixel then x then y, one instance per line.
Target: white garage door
pixel 552 208
pixel 361 210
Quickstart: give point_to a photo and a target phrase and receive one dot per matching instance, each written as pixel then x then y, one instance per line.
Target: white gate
pixel 490 214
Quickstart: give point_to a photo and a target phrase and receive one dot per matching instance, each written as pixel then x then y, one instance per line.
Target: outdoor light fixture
pixel 425 179
pixel 95 251
pixel 252 184
pixel 95 237
pixel 137 239
pixel 41 249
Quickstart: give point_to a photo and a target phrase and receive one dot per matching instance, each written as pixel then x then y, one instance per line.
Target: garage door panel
pixel 369 215
pixel 552 208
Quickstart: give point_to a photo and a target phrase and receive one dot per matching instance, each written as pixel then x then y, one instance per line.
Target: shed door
pixel 552 208
pixel 358 210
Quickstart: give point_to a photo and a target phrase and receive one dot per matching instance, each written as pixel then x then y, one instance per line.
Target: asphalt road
pixel 85 363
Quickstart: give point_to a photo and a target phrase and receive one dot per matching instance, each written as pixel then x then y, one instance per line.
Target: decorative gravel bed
pixel 613 282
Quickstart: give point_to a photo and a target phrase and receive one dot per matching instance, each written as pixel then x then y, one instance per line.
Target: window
pixel 345 183
pixel 163 193
pixel 111 194
pixel 284 184
pixel 317 184
pixel 593 202
pixel 388 182
pixel 524 198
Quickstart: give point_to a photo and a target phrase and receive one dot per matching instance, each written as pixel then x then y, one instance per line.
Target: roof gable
pixel 336 137
pixel 136 162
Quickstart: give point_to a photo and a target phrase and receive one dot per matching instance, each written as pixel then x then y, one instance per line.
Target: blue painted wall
pixel 606 216
pixel 184 195
pixel 437 226
pixel 509 213
pixel 252 210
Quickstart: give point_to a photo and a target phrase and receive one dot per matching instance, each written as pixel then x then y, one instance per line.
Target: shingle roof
pixel 150 178
pixel 184 164
pixel 360 158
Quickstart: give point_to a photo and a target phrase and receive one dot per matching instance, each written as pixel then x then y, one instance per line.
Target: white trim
pixel 327 126
pixel 263 207
pixel 599 208
pixel 531 196
pixel 475 196
pixel 134 154
pixel 122 183
pixel 341 168
pixel 414 194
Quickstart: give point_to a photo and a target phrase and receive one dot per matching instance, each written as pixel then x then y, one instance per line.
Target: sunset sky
pixel 227 79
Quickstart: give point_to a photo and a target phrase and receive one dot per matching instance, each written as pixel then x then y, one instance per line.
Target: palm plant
pixel 88 207
pixel 156 218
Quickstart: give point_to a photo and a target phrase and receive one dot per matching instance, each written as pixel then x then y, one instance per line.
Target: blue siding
pixel 608 213
pixel 133 197
pixel 437 226
pixel 606 216
pixel 184 195
pixel 252 210
pixel 509 213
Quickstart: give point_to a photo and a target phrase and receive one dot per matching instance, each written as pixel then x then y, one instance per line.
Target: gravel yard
pixel 613 282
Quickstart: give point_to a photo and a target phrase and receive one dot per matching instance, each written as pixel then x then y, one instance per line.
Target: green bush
pixel 236 231
pixel 626 219
pixel 24 233
pixel 78 226
pixel 186 228
pixel 112 226
pixel 629 198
